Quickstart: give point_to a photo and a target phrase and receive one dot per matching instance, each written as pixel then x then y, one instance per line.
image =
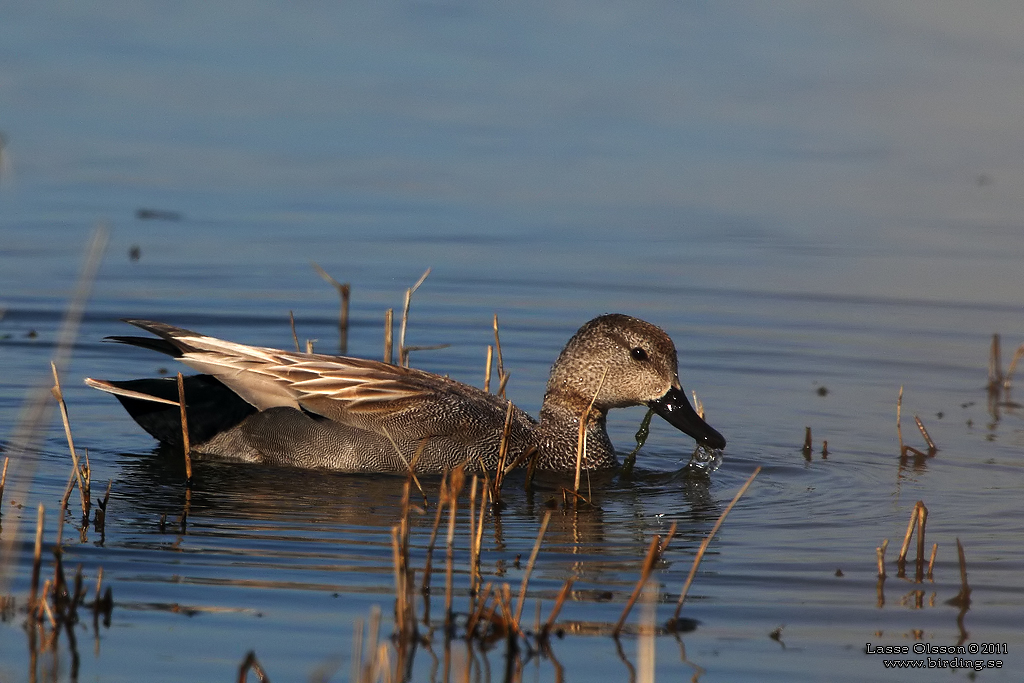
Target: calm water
pixel 807 197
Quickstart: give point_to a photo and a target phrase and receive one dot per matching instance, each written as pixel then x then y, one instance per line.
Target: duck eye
pixel 638 354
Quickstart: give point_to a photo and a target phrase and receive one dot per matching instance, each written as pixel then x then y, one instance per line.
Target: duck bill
pixel 678 412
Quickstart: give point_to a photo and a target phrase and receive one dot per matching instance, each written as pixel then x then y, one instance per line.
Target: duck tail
pixel 210 406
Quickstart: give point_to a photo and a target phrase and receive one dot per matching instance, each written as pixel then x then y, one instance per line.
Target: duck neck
pixel 559 439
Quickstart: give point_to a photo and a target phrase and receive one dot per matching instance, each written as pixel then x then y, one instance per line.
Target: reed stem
pixel 704 545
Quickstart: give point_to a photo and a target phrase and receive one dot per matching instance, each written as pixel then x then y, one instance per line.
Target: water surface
pixel 820 203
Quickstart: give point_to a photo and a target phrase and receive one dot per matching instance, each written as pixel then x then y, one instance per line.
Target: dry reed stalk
pixel 922 519
pixel 495 605
pixel 500 471
pixel 403 351
pixel 645 644
pixel 344 292
pixel 899 420
pixel 68 488
pixel 44 604
pixel 100 518
pixel 83 486
pixel 477 541
pixel 505 603
pixel 442 500
pixel 453 504
pixel 372 643
pixel 487 371
pixel 295 336
pixel 995 366
pixel 3 480
pixel 401 608
pixel 915 517
pixel 963 598
pixel 309 345
pixel 529 565
pixel 502 375
pixel 474 617
pixel 472 539
pixel 931 560
pixel 581 438
pixel 1008 380
pixel 250 662
pixel 654 553
pixel 99 583
pixel 186 446
pixel 559 601
pixel 807 442
pixel 409 464
pixel 37 555
pixel 34 415
pixel 525 455
pixel 389 336
pixel 927 438
pixel 880 552
pixel 704 545
pixel 357 650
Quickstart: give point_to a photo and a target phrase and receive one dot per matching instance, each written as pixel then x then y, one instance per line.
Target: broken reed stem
pixel 357 651
pixel 474 618
pixel 389 334
pixel 505 603
pixel 924 433
pixel 37 555
pixel 704 545
pixel 499 474
pixel 453 504
pixel 3 479
pixel 963 598
pixel 1008 379
pixel 502 376
pixel 559 601
pixel 581 439
pixel 645 646
pixel 654 552
pixel 34 415
pixel 186 446
pixel 442 500
pixel 899 426
pixel 529 565
pixel 401 608
pixel 487 371
pixel 295 336
pixel 83 488
pixel 472 535
pixel 963 567
pixel 880 552
pixel 344 290
pixel 931 560
pixel 478 540
pixel 917 515
pixel 403 351
pixel 995 365
pixel 250 662
pixel 922 519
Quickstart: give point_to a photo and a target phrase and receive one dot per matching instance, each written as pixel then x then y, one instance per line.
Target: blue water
pixel 804 196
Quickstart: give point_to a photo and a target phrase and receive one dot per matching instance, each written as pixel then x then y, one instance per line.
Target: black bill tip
pixel 677 411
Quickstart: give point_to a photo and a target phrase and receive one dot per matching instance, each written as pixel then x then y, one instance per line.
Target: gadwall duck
pixel 261 405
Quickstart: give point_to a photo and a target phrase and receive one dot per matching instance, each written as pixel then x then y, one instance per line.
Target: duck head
pixel 618 361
